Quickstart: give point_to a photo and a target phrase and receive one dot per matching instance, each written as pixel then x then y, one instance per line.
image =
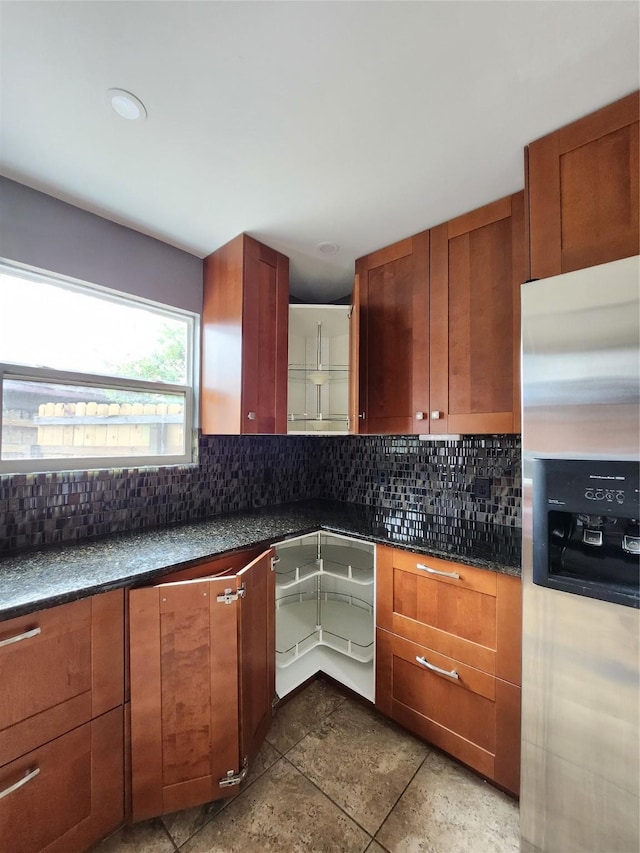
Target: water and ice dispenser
pixel 586 534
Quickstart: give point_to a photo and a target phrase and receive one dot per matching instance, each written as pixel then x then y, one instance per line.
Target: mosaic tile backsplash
pixel 434 477
pixel 244 472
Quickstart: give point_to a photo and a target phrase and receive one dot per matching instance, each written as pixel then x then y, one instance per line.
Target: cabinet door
pixel 356 370
pixel 256 654
pixel 478 263
pixel 189 695
pixel 394 337
pixel 64 796
pixel 583 191
pixel 264 340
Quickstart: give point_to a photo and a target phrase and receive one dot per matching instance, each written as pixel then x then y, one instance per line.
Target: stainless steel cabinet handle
pixel 252 416
pixel 436 415
pixel 29 775
pixel 449 674
pixel 431 571
pixel 24 636
pixel 361 415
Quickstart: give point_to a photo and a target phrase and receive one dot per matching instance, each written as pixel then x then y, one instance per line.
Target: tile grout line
pixel 402 793
pixel 320 721
pixel 302 773
pixel 280 754
pixel 170 837
pixel 324 794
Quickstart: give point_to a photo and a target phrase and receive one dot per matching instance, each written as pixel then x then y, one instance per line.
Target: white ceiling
pixel 298 122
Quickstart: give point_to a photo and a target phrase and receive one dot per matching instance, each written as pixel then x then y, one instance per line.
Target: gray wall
pixel 43 232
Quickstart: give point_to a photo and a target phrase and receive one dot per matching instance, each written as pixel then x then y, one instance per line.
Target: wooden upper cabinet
pixel 245 318
pixel 394 337
pixel 202 683
pixel 583 191
pixel 478 262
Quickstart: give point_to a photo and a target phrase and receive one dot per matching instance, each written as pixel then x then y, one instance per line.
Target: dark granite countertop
pixel 34 580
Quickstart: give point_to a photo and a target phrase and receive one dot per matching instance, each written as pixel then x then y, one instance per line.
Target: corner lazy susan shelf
pixel 324 611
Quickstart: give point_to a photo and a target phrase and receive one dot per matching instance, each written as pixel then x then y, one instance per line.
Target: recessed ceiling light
pixel 327 248
pixel 126 105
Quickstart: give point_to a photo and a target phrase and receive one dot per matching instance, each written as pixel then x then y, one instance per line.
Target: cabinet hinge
pixel 229 596
pixel 274 562
pixel 233 778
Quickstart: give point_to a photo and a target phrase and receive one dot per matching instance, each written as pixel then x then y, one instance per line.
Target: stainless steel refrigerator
pixel 581 551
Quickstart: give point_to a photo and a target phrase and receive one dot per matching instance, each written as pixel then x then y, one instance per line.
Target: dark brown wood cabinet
pixel 478 262
pixel 448 658
pixel 438 319
pixel 76 795
pixel 202 681
pixel 61 726
pixel 582 188
pixel 393 303
pixel 245 319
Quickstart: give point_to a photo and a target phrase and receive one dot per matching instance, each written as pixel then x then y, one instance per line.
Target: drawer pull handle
pixel 431 571
pixel 449 673
pixel 29 775
pixel 24 636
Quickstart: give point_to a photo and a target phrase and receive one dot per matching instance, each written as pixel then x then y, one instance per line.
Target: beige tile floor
pixel 336 777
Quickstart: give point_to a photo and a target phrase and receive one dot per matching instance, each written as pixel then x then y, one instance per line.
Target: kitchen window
pixel 91 378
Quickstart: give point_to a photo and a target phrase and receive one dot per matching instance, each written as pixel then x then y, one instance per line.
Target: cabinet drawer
pixel 58 669
pixel 456 714
pixel 467 713
pixel 448 607
pixel 73 791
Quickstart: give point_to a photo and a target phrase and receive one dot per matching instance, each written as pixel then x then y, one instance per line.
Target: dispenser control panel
pixel 586 528
pixel 609 487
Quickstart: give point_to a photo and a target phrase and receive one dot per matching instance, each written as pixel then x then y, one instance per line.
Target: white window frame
pixel 108 382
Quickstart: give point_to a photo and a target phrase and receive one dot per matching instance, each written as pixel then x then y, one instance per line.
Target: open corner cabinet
pixel 324 595
pixel 318 388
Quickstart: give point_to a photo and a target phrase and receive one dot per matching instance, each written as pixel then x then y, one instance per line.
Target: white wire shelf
pixel 314 368
pixel 338 561
pixel 346 625
pixel 292 417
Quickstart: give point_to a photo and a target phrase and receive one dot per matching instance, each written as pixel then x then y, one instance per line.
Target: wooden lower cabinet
pixel 202 661
pixel 58 669
pixel 61 726
pixel 448 658
pixel 72 793
pixel 463 711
